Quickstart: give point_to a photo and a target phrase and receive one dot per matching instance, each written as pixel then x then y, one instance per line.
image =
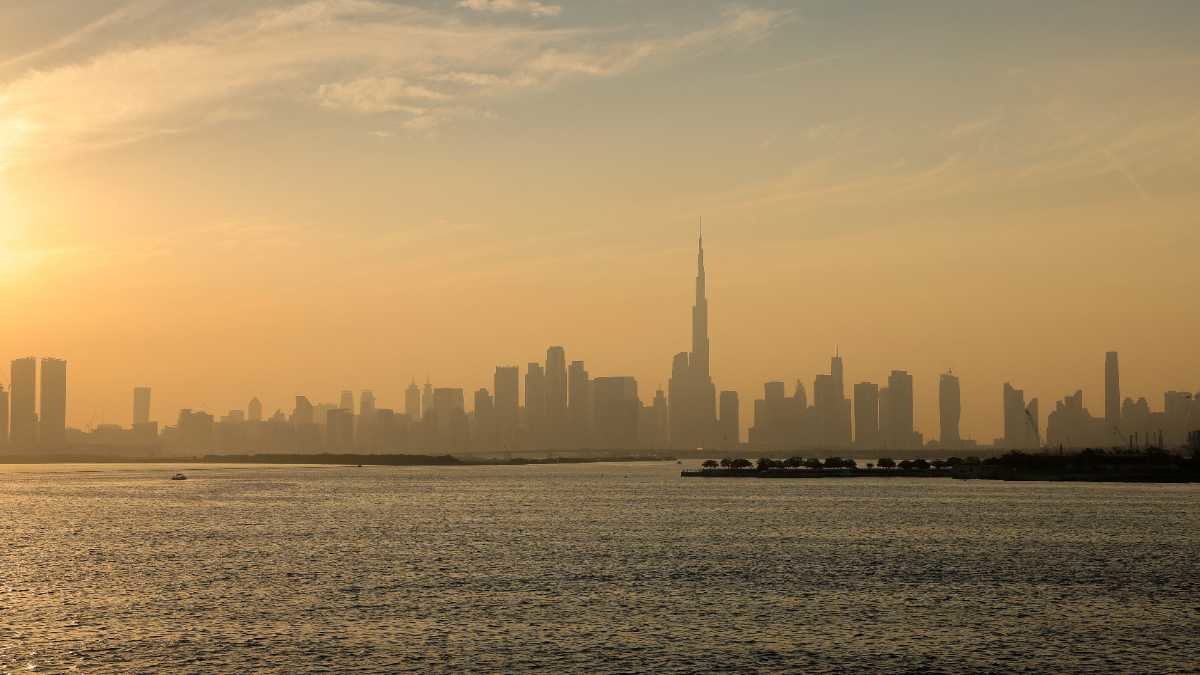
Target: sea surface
pixel 600 567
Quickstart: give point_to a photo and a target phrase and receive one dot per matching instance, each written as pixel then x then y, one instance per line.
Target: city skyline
pixel 320 195
pixel 564 408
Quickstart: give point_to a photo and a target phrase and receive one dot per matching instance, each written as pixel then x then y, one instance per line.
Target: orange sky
pixel 271 198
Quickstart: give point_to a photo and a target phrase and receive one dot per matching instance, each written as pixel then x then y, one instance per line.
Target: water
pixel 617 567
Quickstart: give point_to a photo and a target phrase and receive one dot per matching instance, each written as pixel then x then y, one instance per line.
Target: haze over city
pixel 265 199
pixel 591 336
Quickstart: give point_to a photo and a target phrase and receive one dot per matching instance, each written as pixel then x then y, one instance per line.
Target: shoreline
pixel 329 459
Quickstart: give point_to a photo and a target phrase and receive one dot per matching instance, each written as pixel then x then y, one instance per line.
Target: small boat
pixel 179 476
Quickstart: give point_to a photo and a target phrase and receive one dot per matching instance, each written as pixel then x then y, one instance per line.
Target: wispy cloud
pixel 346 56
pixel 530 7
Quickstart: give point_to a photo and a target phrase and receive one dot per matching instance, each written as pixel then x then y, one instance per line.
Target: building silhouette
pixel 949 410
pixel 339 429
pixel 535 406
pixel 729 424
pixel 450 428
pixel 22 422
pixel 1112 393
pixel 426 398
pixel 556 397
pixel 507 404
pixel 579 404
pixel 483 421
pixel 1020 420
pixel 412 401
pixel 303 412
pixel 660 430
pixel 896 408
pixel 141 405
pixel 830 417
pixel 194 430
pixel 692 395
pixel 254 410
pixel 866 415
pixel 52 416
pixel 616 412
pixel 3 417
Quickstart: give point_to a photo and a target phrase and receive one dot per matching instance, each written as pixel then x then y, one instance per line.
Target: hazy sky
pixel 243 197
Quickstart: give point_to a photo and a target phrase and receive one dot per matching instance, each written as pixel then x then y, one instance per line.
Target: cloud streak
pixel 356 57
pixel 530 7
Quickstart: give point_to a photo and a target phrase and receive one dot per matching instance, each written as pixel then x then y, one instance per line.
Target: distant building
pixel 729 421
pixel 450 429
pixel 866 415
pixel 303 412
pixel 949 410
pixel 831 410
pixel 3 417
pixel 365 426
pixel 579 404
pixel 22 423
pixel 254 410
pixel 339 430
pixel 556 397
pixel 426 398
pixel 896 411
pixel 483 421
pixel 660 433
pixel 141 405
pixel 1070 425
pixel 52 418
pixel 412 401
pixel 194 431
pixel 1177 413
pixel 692 396
pixel 507 406
pixel 1020 420
pixel 535 405
pixel 346 401
pixel 616 410
pixel 1112 393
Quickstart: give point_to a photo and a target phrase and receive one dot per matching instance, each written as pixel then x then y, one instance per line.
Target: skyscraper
pixel 616 403
pixel 729 421
pixel 901 435
pixel 692 395
pixel 254 410
pixel 535 404
pixel 3 417
pixel 412 402
pixel 483 433
pixel 836 371
pixel 141 405
pixel 302 414
pixel 450 430
pixel 52 417
pixel 831 407
pixel 1112 393
pixel 22 423
pixel 866 415
pixel 346 401
pixel 556 395
pixel 1020 420
pixel 507 405
pixel 339 430
pixel 426 398
pixel 949 410
pixel 365 428
pixel 579 403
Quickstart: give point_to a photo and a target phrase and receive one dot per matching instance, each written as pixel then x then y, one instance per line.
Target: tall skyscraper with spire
pixel 693 397
pixel 699 357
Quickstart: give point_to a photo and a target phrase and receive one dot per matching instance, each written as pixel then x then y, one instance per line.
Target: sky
pixel 246 198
